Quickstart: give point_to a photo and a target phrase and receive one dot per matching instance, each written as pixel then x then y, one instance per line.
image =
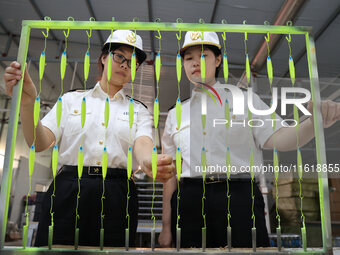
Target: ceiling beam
pixel 317 35
pixel 214 11
pixel 288 12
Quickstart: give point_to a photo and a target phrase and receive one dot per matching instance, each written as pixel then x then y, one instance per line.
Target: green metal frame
pixel 27 25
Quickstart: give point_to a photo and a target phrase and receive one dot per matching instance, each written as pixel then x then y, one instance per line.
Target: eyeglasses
pixel 120 59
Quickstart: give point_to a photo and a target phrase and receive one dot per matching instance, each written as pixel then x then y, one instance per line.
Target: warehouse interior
pixel 322 16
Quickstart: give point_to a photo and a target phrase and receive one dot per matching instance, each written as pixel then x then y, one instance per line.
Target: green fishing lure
pixel 225 68
pixel 42 65
pixel 86 65
pixel 156 112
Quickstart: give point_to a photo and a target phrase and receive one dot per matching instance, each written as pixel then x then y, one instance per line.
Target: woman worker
pixel 240 139
pixel 117 137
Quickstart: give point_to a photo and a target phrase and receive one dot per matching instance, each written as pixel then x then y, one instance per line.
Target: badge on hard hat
pixel 195 35
pixel 131 38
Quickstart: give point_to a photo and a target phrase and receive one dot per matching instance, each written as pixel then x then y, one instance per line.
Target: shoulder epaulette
pixel 137 101
pixel 79 90
pixel 182 101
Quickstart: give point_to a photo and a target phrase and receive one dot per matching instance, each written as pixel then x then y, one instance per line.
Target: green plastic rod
pixel 86 65
pixel 225 68
pixel 31 160
pixel 178 163
pixel 158 66
pixel 178 67
pixel 178 112
pixel 228 162
pixel 106 112
pixel 83 112
pixel 104 163
pixel 50 237
pixel 55 160
pixel 276 164
pixel 299 163
pixel 304 238
pixel 59 110
pixel 247 69
pixel 202 68
pixel 133 66
pixel 156 112
pixel 24 237
pixel 109 67
pixel 76 238
pixel 80 161
pixel 101 241
pixel 129 163
pixel 63 65
pixel 252 174
pixel 36 111
pixel 41 65
pixel 292 70
pixel 154 163
pixel 227 113
pixel 204 163
pixel 270 70
pixel 131 112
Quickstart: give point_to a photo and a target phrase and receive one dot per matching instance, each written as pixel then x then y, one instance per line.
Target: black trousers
pixel 89 210
pixel 191 220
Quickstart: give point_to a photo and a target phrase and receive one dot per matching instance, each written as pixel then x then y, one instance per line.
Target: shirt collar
pixel 100 92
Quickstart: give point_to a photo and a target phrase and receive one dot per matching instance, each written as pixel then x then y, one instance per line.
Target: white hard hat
pixel 127 37
pixel 193 38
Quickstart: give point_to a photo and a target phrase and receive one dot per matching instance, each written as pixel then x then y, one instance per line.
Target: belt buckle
pixel 96 171
pixel 213 179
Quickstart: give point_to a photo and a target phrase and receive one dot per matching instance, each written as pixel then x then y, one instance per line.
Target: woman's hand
pixel 165 167
pixel 165 237
pixel 12 76
pixel 330 112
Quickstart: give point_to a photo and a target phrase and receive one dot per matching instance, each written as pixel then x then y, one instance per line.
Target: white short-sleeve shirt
pixel 239 137
pixel 117 138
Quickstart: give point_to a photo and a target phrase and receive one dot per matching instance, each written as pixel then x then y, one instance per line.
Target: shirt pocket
pixel 123 128
pixel 73 123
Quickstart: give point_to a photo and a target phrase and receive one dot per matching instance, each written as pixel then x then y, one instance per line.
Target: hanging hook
pixel 45 35
pixel 289 38
pixel 267 38
pixel 224 37
pixel 90 34
pixel 159 33
pixel 46 18
pixel 179 37
pixel 68 30
pixel 245 33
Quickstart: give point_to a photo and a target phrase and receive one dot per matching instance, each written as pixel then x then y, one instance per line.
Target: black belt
pixel 94 171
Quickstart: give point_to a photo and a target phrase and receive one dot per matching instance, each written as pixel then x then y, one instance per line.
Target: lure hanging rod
pixel 165 26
